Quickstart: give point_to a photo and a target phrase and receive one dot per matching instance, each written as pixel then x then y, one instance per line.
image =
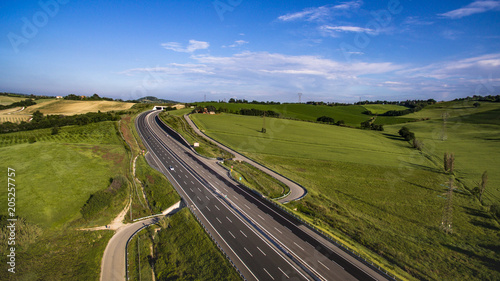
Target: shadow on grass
pixel 393 137
pixel 477 213
pixel 488 262
pixel 421 186
pixel 425 168
pixel 484 224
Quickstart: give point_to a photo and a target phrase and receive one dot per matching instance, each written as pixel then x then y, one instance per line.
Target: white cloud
pixel 416 21
pixel 320 13
pixel 172 68
pixel 236 43
pixel 469 68
pixel 192 46
pixel 476 7
pixel 347 29
pixel 265 75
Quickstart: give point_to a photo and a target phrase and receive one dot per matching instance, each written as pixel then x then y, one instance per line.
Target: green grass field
pixel 382 108
pixel 57 174
pixel 473 138
pixel 55 177
pixel 351 114
pixel 6 100
pixel 374 192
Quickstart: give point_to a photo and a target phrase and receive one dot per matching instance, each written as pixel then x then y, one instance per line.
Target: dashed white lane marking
pixel 268 273
pixel 261 217
pixel 323 265
pixel 283 272
pixel 229 220
pixel 278 230
pixel 248 252
pixel 208 209
pixel 262 251
pixel 218 219
pixel 216 207
pixel 246 206
pixel 243 233
pixel 298 246
pixel 231 234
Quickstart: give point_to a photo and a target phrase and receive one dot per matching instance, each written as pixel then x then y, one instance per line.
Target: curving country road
pixel 262 241
pixel 296 190
pixel 113 263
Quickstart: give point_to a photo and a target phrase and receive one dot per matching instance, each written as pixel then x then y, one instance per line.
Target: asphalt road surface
pixel 263 242
pixel 113 261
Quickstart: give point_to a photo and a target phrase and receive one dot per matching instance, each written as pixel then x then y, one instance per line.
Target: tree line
pixel 40 121
pixel 330 121
pixel 489 98
pixel 242 111
pixel 23 103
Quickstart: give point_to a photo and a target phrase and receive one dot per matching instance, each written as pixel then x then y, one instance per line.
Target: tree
pixel 55 130
pixel 325 119
pixel 476 104
pixel 406 134
pixel 37 116
pixel 418 144
pixel 484 180
pixel 449 162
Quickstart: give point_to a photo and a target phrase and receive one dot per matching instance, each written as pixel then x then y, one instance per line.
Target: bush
pixel 31 139
pixel 103 198
pixel 326 119
pixel 96 203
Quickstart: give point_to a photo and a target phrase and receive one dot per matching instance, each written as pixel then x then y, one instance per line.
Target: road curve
pixel 113 263
pixel 261 240
pixel 297 191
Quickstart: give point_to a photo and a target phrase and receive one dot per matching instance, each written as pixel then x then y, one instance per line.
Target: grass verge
pixel 182 251
pixel 256 179
pixel 160 192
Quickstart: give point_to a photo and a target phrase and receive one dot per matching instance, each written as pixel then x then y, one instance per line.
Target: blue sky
pixel 337 51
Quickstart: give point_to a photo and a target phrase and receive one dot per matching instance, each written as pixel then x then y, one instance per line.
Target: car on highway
pixel 171 168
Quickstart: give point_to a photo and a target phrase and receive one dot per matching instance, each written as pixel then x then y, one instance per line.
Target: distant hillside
pixel 150 99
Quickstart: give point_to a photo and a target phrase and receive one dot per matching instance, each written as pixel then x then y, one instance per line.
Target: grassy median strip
pixel 256 179
pixel 178 249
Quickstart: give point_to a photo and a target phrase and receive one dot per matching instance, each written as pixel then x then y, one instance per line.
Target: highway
pixel 263 242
